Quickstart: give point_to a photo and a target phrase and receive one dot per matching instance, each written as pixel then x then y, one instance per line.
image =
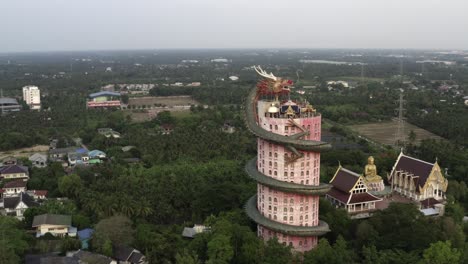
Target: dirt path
pixel 24 152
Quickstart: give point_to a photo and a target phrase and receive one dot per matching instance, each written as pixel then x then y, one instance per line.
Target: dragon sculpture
pixel 272 85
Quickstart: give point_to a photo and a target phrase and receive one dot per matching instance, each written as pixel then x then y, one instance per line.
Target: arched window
pixel 285 218
pixel 291 218
pixel 291 209
pixel 285 209
pixel 275 200
pixel 291 200
pixel 274 217
pixel 285 200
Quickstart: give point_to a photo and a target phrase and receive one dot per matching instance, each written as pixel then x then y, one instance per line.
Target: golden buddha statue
pixel 373 180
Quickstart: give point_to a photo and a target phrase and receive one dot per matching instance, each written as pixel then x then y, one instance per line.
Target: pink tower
pixel 287 168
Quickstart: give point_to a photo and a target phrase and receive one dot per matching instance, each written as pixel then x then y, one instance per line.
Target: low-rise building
pixel 38 160
pixel 191 232
pixel 57 225
pixel 349 191
pixel 14 188
pixel 109 132
pixel 104 99
pixel 128 255
pixel 14 172
pixel 9 105
pixel 17 205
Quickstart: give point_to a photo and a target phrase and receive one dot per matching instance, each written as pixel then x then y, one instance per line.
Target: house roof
pixel 344 180
pixel 13 169
pixel 136 257
pixel 94 258
pixel 363 197
pixel 40 192
pixel 85 233
pixel 8 101
pixel 13 201
pixel 51 219
pixel 124 253
pixel 416 167
pixel 94 153
pixel 188 232
pixel 38 156
pixel 103 93
pixel 429 202
pixel 339 195
pixel 15 184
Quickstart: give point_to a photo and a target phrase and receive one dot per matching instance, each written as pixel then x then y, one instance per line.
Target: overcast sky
pixel 50 25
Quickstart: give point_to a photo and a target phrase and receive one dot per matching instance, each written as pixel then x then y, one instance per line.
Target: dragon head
pixel 272 84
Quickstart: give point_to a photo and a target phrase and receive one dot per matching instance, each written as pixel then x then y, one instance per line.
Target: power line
pixel 400 134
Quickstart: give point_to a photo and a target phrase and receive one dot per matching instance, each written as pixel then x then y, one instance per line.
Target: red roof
pixel 339 195
pixel 363 197
pixel 344 180
pixel 429 202
pixel 40 192
pixel 14 184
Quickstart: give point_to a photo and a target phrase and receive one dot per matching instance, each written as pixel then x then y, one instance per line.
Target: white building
pixel 32 97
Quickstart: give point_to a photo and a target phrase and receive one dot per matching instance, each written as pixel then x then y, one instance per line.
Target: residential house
pixel 109 132
pixel 14 188
pixel 190 232
pixel 128 255
pixel 38 194
pixel 57 225
pixel 75 158
pixel 16 205
pixel 38 160
pixel 228 127
pixel 418 179
pixel 97 154
pixel 14 172
pixel 349 191
pixel 60 154
pixel 9 161
pixel 167 129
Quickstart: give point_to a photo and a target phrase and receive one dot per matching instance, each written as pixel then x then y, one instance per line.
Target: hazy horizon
pixel 54 25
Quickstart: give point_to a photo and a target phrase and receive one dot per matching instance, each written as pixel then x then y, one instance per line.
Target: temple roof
pixel 417 167
pixel 344 180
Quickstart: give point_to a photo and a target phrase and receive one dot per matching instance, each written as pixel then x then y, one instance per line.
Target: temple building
pixel 417 179
pixel 350 191
pixel 287 169
pixel 373 181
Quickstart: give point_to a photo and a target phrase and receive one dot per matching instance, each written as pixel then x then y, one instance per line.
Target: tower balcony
pixel 292 230
pixel 251 169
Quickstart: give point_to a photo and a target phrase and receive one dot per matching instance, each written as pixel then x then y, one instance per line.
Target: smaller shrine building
pixel 349 190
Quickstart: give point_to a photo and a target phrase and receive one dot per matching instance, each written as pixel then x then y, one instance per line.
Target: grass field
pixel 169 101
pixel 179 106
pixel 385 132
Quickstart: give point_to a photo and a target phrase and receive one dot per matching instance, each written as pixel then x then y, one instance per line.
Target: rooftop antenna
pixel 400 135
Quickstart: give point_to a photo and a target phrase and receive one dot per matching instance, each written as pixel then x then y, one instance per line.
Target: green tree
pixel 116 229
pixel 70 185
pixel 220 250
pixel 441 252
